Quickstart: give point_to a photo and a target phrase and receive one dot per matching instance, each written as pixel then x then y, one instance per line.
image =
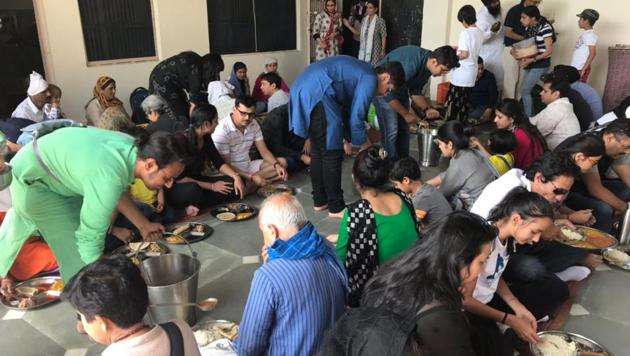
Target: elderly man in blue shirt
pixel 329 102
pixel 298 293
pixel 393 111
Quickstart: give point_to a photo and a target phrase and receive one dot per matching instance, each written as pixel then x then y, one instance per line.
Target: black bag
pixel 135 100
pixel 175 337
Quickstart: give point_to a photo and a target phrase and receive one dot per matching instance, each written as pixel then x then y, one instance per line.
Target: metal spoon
pixel 205 305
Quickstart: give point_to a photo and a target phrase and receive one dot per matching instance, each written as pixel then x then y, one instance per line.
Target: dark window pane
pixel 231 26
pixel 275 25
pixel 117 29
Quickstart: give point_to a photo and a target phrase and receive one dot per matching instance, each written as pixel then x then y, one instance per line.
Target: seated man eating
pixel 234 137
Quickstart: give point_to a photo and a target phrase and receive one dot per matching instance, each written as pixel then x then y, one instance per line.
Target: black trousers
pixel 540 297
pixel 537 261
pixel 325 165
pixel 182 195
pixel 458 103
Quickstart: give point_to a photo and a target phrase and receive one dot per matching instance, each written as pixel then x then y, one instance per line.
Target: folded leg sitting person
pixel 234 137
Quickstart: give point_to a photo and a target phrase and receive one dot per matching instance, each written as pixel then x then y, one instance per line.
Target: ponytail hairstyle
pixel 163 147
pixel 455 132
pixel 522 202
pixel 512 108
pixel 371 168
pixel 201 114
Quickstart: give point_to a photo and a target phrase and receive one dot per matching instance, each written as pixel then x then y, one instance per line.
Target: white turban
pixel 37 84
pixel 217 90
pixel 268 61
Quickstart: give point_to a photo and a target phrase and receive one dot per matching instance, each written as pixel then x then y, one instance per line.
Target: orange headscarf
pixel 101 84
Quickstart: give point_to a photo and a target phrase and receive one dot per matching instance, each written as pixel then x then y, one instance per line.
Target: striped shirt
pixel 290 306
pixel 540 32
pixel 231 141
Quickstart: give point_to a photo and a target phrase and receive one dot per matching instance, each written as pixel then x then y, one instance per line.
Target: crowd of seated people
pixel 464 263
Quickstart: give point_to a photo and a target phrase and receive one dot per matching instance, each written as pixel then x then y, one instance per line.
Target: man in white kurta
pixel 489 22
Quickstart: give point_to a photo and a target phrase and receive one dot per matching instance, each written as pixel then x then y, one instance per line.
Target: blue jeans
pixel 530 79
pixel 394 129
pixel 580 199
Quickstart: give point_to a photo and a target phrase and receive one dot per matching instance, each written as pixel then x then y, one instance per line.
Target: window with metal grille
pixel 246 26
pixel 117 29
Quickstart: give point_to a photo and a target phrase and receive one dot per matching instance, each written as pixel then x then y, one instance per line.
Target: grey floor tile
pixel 21 339
pixel 606 296
pixel 610 334
pixel 58 322
pixel 231 290
pixel 241 238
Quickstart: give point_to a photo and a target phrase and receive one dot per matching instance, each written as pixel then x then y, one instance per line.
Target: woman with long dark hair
pixel 413 303
pixel 376 228
pixel 585 149
pixel 530 143
pixel 180 79
pixel 192 190
pixel 469 170
pixel 520 218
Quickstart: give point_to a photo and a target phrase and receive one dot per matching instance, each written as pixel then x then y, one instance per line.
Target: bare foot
pixel 338 215
pixel 191 211
pixel 320 208
pixel 591 261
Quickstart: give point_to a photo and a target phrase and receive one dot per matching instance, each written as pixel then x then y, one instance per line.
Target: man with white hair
pixel 38 95
pixel 298 293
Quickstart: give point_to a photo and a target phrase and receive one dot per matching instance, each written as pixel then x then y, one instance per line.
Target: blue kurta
pixel 345 86
pixel 414 61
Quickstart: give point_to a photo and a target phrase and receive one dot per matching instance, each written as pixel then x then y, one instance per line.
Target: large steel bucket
pixel 172 279
pixel 429 153
pixel 624 230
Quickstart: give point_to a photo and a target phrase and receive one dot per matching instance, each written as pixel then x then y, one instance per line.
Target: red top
pixel 526 150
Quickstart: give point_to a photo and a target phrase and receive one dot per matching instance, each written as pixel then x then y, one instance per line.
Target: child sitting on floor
pixel 429 203
pixel 500 147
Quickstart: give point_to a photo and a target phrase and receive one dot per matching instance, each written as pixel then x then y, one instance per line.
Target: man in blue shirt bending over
pixel 329 102
pixel 298 293
pixel 393 111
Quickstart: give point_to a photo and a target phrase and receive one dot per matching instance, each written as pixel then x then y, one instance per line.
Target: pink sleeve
pixel 285 87
pixel 522 153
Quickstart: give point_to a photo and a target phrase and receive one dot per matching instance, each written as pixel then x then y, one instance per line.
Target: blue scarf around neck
pixel 306 244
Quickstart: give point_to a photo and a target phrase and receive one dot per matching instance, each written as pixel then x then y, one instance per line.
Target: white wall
pixel 179 26
pixel 441 26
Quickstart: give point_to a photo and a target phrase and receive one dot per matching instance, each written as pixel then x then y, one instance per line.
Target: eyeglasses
pixel 558 191
pixel 245 113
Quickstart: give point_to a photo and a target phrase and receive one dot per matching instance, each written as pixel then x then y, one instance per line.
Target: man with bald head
pixel 299 291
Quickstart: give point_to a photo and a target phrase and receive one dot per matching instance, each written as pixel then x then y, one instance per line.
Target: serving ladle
pixel 205 305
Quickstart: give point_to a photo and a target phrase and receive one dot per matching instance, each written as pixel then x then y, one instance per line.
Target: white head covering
pixel 37 84
pixel 217 90
pixel 268 61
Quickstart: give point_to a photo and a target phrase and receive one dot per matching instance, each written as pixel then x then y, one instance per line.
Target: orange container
pixel 442 92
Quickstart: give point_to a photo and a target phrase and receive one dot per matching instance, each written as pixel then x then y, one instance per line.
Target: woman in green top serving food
pixel 67 183
pixel 376 228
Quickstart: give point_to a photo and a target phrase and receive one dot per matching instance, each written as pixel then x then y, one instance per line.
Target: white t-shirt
pixel 488 280
pixel 580 53
pixel 470 39
pixel 231 141
pixel 494 192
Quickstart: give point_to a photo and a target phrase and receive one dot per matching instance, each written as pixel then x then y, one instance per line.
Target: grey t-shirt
pixel 430 200
pixel 277 99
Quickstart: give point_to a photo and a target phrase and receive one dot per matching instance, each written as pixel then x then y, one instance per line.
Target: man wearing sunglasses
pixel 551 176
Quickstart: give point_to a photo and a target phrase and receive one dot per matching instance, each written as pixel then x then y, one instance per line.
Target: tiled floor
pixel 230 257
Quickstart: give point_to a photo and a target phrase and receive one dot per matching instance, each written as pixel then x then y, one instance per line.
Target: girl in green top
pixel 378 227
